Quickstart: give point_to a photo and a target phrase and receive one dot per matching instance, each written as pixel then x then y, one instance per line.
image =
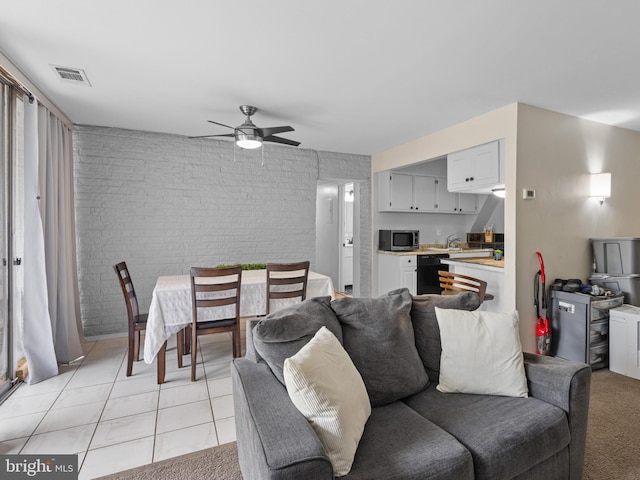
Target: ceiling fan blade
pixel 286 141
pixel 209 136
pixel 273 130
pixel 221 124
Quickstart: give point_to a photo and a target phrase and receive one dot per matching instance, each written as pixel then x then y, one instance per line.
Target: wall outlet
pixel 528 194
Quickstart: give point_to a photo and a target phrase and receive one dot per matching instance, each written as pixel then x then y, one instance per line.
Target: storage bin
pixel 599 352
pixel 628 284
pixel 599 331
pixel 618 255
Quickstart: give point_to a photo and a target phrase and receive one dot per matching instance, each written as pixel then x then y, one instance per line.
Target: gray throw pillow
pixel 378 336
pixel 425 325
pixel 283 333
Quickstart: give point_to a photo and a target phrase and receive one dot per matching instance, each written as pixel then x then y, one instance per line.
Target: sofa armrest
pixel 565 384
pixel 275 441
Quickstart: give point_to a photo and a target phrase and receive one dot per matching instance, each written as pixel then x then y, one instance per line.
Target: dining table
pixel 170 309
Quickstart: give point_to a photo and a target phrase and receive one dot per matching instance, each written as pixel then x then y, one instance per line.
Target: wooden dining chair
pixel 137 321
pixel 286 280
pixel 218 289
pixel 454 283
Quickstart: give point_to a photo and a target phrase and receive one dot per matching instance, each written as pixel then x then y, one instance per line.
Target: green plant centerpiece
pixel 246 266
pixel 497 254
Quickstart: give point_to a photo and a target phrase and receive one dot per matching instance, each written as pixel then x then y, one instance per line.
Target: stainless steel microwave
pixel 399 240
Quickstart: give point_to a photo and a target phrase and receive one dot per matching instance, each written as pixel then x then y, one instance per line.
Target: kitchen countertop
pixel 484 261
pixel 435 251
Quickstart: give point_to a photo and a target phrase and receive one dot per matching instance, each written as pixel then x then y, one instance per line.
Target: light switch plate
pixel 528 194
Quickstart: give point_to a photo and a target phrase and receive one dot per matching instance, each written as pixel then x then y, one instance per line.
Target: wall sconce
pixel 601 186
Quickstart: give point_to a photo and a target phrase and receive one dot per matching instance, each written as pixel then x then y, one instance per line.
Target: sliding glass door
pixel 11 230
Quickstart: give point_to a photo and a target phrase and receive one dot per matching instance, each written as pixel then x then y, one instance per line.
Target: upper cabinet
pixel 477 169
pixel 407 192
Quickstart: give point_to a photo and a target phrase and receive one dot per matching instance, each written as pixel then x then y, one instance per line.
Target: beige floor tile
pixel 222 407
pixel 67 441
pixel 124 429
pixel 193 392
pixel 185 440
pixel 116 458
pixel 182 416
pixel 131 405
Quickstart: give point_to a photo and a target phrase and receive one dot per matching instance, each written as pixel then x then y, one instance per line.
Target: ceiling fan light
pixel 248 141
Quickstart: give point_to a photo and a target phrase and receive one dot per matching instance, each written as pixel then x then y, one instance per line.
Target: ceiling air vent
pixel 71 75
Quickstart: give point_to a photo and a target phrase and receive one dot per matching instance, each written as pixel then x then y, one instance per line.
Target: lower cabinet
pixel 397 271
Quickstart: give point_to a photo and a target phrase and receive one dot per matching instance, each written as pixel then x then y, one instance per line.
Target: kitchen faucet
pixel 451 239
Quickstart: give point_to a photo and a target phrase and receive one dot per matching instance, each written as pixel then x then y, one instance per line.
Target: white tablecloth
pixel 170 309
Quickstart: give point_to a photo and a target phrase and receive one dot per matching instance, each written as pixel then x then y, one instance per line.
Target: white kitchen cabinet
pixel 476 169
pixel 397 271
pixel 467 202
pixel 425 193
pixel 454 202
pixel 400 186
pixel 405 192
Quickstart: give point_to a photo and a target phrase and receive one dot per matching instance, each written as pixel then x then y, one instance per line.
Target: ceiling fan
pixel 248 135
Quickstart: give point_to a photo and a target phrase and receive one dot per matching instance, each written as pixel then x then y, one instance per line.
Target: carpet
pixel 613 435
pixel 613 441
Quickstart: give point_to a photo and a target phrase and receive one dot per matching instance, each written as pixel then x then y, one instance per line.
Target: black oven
pixel 428 266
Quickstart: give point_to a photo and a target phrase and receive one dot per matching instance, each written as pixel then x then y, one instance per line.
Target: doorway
pixel 337 234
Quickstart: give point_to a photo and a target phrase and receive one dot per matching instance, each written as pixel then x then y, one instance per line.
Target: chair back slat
pixel 223 283
pixel 129 292
pixel 456 283
pixel 215 288
pixel 286 274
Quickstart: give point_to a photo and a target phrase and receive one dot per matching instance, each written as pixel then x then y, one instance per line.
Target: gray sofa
pixel 414 431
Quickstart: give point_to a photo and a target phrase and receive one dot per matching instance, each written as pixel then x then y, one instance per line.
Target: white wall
pixel 164 203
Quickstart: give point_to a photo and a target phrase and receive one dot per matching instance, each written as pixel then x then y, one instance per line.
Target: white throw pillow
pixel 481 353
pixel 325 386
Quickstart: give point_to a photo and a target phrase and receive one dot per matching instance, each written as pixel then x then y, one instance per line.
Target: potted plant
pixel 497 254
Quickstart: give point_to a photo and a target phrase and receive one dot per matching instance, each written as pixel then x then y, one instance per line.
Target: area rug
pixel 219 463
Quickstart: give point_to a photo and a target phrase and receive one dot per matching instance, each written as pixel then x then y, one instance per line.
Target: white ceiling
pixel 353 76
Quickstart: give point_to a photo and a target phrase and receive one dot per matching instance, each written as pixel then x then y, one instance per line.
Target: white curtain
pixel 57 210
pixel 52 324
pixel 37 336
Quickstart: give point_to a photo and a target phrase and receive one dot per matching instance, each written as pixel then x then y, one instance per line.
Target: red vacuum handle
pixel 542 277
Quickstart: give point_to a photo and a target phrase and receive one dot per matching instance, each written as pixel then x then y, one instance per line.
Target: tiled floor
pixel 113 422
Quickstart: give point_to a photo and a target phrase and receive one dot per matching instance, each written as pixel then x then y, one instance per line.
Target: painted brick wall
pixel 164 203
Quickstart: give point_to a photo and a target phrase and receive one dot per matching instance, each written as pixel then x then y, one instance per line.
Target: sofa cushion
pixel 481 353
pixel 505 435
pixel 282 334
pixel 325 386
pixel 425 325
pixel 378 335
pixel 400 444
